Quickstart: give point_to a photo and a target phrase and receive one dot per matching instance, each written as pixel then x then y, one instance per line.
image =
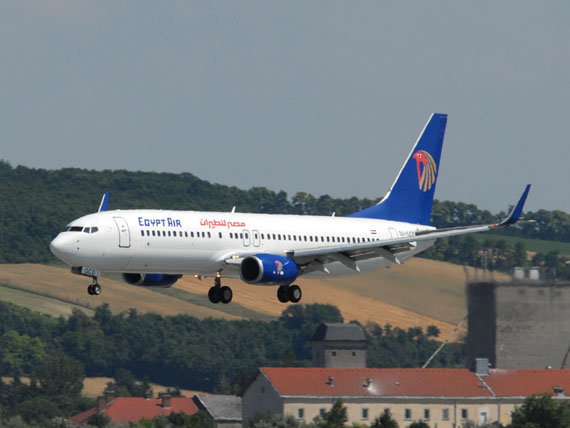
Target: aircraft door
pixel 393 233
pixel 256 240
pixel 246 238
pixel 124 235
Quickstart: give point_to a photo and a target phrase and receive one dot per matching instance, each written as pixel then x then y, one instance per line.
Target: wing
pixel 312 259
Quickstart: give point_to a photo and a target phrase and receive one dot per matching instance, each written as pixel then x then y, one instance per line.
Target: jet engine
pixel 268 269
pixel 151 279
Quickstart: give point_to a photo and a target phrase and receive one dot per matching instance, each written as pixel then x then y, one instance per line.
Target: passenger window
pixel 148 233
pixel 174 233
pixel 203 234
pixel 169 233
pixel 279 236
pixel 241 236
pixel 186 234
pixel 142 232
pixel 322 239
pixel 311 238
pixel 191 234
pixel 231 235
pixel 153 233
pixel 305 237
pixel 209 235
pixel 220 235
pixel 262 236
pixel 274 236
pixel 328 239
pixel 163 233
pixel 246 236
pixel 294 237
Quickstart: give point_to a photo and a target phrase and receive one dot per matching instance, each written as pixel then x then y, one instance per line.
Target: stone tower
pixel 339 346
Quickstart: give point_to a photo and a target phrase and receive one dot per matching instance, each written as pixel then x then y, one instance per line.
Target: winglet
pixel 517 209
pixel 104 206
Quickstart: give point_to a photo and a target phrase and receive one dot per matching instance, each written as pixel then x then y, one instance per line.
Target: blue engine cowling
pixel 151 279
pixel 268 269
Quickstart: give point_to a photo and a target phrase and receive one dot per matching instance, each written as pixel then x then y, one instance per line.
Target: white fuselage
pixel 194 242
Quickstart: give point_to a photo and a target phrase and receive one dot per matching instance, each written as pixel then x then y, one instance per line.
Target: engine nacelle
pixel 151 279
pixel 268 269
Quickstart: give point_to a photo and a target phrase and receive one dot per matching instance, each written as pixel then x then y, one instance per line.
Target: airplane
pixel 155 248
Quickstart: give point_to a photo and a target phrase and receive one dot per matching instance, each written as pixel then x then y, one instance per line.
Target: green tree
pixel 541 411
pixel 384 421
pixel 20 352
pixel 59 375
pixel 336 417
pixel 273 421
pixel 418 424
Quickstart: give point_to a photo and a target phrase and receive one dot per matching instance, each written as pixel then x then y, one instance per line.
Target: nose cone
pixel 63 248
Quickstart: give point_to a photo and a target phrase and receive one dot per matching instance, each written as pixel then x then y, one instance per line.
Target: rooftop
pixel 337 331
pixel 360 382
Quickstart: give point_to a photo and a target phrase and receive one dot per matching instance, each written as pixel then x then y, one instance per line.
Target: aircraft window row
pixel 87 229
pixel 242 235
pixel 175 233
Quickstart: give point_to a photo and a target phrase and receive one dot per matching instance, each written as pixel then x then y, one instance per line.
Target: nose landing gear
pixel 94 289
pixel 219 293
pixel 289 293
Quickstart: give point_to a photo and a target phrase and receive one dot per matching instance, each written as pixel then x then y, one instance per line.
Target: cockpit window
pixel 87 230
pixel 94 229
pixel 66 228
pixel 76 228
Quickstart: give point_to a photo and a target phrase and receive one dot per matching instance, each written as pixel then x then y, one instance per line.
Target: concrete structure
pixel 339 345
pixel 445 398
pixel 225 410
pixel 523 324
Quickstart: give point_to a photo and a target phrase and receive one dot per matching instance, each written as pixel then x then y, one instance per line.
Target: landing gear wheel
pixel 96 289
pixel 282 294
pixel 214 294
pixel 225 294
pixel 294 293
pixel 90 290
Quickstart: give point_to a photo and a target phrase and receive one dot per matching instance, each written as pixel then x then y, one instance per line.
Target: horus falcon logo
pixel 426 174
pixel 279 266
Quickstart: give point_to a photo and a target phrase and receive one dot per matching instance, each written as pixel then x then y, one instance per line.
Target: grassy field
pixel 418 293
pixel 532 245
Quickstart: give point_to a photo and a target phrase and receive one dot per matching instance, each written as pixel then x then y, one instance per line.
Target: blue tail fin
pixel 411 196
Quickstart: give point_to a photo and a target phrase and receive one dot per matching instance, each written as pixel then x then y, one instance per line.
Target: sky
pixel 324 97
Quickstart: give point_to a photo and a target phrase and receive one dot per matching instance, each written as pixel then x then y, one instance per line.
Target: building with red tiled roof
pixel 445 398
pixel 133 409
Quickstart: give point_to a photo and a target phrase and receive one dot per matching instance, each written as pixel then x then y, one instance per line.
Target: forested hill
pixel 37 203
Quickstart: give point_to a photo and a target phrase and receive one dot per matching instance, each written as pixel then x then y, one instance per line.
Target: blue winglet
pixel 104 206
pixel 517 209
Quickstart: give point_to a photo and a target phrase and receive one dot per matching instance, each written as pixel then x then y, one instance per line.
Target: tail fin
pixel 411 196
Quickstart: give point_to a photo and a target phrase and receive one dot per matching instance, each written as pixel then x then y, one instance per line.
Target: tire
pixel 97 289
pixel 282 294
pixel 294 293
pixel 90 290
pixel 225 294
pixel 214 295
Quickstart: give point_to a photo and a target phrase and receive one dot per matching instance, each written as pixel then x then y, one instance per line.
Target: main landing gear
pixel 218 294
pixel 94 289
pixel 289 293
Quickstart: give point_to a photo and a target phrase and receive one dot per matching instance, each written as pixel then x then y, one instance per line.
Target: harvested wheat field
pixel 94 386
pixel 419 293
pixel 60 284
